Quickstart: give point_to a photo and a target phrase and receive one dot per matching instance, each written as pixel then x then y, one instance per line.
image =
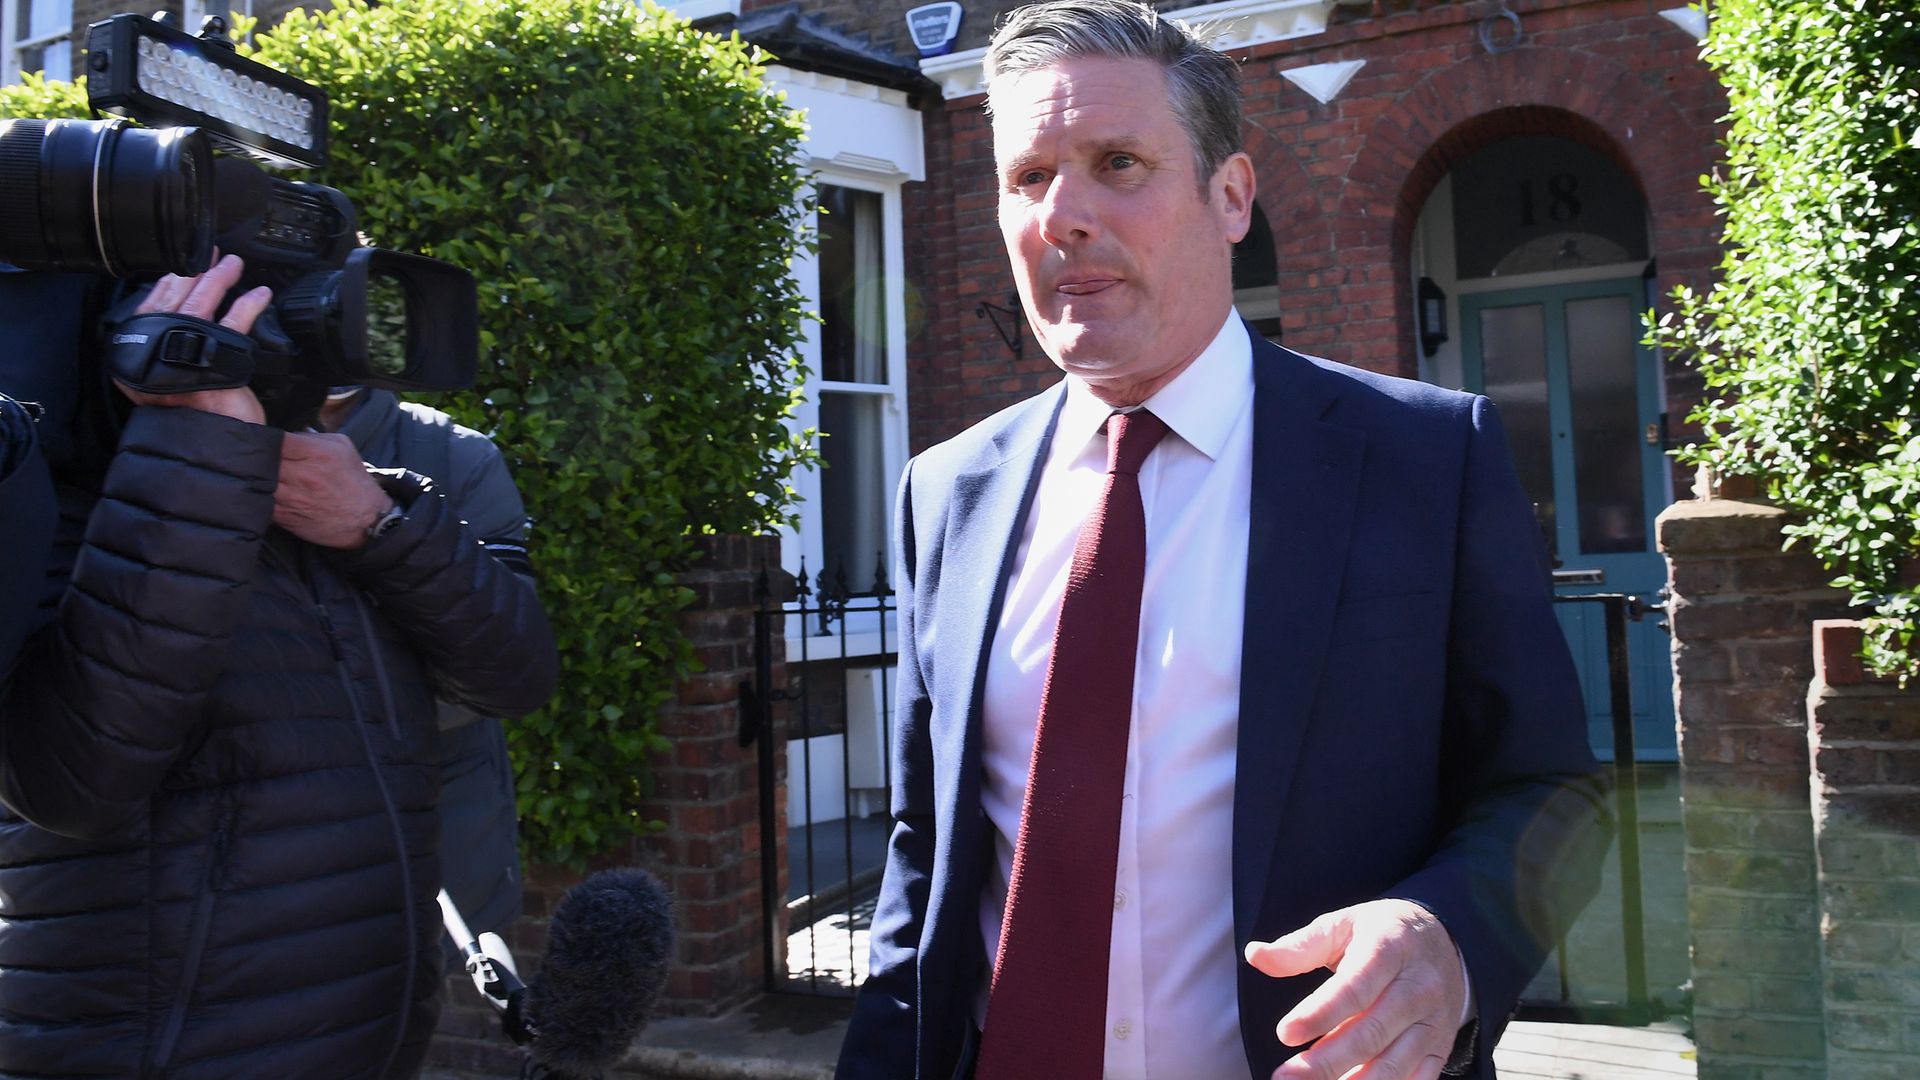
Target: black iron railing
pixel 815 922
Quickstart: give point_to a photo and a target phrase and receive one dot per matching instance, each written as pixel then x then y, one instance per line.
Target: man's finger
pixel 1319 944
pixel 1358 1038
pixel 1415 1055
pixel 203 300
pixel 165 295
pixel 315 444
pixel 241 315
pixel 1359 985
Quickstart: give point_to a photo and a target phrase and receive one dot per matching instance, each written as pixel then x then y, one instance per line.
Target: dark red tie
pixel 1047 1010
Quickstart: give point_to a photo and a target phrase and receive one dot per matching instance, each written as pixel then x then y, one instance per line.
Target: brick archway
pixel 1287 196
pixel 1529 91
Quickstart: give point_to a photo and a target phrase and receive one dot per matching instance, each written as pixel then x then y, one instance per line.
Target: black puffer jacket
pixel 218 860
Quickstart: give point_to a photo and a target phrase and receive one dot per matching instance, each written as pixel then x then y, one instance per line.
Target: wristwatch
pixel 404 488
pixel 388 521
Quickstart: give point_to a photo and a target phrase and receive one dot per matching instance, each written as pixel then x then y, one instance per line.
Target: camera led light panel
pixel 186 78
pixel 162 76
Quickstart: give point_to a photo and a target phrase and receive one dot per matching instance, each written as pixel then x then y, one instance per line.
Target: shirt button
pixel 1122 1029
pixel 1119 900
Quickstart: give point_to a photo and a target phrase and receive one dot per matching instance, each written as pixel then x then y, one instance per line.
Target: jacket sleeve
pixel 1530 827
pixel 882 1037
pixel 27 514
pixel 476 624
pixel 107 694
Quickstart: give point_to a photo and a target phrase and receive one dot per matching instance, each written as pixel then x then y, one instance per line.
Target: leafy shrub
pixel 38 98
pixel 1810 344
pixel 626 191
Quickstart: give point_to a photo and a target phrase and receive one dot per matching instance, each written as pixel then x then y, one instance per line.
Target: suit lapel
pixel 989 505
pixel 1306 473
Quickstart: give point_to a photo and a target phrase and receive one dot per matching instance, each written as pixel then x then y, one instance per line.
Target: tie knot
pixel 1130 437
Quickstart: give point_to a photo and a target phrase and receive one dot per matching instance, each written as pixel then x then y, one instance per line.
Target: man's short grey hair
pixel 1203 85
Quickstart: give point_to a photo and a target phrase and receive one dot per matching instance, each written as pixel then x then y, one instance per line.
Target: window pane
pixel 1538 203
pixel 54 60
pixel 1513 351
pixel 854 500
pixel 36 19
pixel 1601 335
pixel 853 311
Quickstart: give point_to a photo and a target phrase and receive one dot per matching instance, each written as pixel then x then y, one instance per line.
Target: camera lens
pixel 100 196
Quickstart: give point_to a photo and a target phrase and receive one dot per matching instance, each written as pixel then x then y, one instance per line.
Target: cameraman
pixel 479 826
pixel 217 759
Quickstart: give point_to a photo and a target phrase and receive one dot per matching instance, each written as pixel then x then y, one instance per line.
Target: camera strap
pixel 169 353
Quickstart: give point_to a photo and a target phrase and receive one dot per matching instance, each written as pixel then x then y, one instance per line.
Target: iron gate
pixel 839 760
pixel 1639 1007
pixel 815 922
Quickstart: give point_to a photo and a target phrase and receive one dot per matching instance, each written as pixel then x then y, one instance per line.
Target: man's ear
pixel 1233 189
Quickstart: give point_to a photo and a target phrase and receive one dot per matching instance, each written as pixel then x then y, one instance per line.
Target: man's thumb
pixel 1319 944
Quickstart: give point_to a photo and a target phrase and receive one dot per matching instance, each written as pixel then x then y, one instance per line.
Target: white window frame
pixel 867 138
pixel 10 29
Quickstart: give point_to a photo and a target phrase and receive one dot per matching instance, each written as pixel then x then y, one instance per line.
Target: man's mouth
pixel 1086 286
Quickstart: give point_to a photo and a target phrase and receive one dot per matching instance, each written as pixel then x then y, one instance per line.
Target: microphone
pixel 609 946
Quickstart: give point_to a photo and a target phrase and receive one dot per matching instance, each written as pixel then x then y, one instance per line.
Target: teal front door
pixel 1580 399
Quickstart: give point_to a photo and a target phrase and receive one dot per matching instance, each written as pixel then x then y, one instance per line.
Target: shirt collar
pixel 1200 405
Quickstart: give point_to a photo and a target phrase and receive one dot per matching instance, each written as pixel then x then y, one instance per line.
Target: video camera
pixel 106 197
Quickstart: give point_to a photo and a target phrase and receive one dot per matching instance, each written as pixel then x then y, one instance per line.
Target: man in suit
pixel 1234 718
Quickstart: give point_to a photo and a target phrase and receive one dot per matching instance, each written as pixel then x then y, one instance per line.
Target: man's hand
pixel 1393 1004
pixel 200 297
pixel 325 495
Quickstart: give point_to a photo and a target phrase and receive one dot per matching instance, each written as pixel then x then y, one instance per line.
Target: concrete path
pixel 793 1037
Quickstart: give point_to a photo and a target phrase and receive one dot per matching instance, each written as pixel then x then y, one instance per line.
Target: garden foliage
pixel 1810 343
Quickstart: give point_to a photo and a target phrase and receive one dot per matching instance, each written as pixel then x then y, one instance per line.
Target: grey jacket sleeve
pixel 109 692
pixel 476 624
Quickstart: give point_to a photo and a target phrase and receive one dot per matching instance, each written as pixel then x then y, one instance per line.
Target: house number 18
pixel 1563 199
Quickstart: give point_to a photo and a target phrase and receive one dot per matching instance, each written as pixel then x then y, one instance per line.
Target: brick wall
pixel 1864 738
pixel 1741 612
pixel 705 790
pixel 1342 183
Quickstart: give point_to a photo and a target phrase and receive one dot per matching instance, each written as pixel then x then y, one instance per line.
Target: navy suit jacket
pixel 1410 723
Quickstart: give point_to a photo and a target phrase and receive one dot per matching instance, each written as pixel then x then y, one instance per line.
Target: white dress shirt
pixel 1172 1010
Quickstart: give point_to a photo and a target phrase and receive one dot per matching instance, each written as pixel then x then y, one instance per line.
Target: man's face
pixel 1124 269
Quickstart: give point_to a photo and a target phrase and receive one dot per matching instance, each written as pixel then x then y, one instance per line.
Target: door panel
pixel 1576 391
pixel 1602 343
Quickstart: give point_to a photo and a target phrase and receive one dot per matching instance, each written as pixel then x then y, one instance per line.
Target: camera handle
pixel 170 353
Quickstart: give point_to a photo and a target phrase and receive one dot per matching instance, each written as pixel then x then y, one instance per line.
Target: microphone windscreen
pixel 609 945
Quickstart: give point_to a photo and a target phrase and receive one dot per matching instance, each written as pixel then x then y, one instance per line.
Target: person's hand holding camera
pixel 200 297
pixel 326 495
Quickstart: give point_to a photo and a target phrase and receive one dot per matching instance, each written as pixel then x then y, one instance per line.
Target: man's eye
pixel 1121 161
pixel 1031 177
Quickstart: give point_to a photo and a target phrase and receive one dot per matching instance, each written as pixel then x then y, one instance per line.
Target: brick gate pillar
pixel 706 789
pixel 1742 612
pixel 1864 735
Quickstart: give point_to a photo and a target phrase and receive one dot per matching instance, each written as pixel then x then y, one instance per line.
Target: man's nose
pixel 1069 213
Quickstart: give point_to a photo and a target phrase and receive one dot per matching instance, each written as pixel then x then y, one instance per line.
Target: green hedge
pixel 628 194
pixel 36 98
pixel 1810 344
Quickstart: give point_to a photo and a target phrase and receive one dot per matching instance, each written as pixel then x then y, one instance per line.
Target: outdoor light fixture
pixel 168 77
pixel 1433 316
pixel 1009 330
